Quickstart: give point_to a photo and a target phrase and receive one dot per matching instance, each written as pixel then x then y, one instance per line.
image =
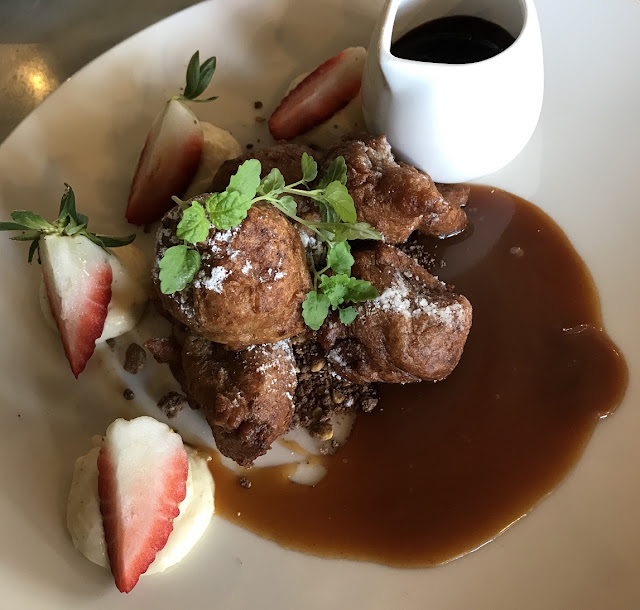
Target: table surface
pixel 44 42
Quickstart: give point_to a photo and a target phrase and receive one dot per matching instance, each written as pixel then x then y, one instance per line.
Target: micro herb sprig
pixel 334 288
pixel 69 223
pixel 199 76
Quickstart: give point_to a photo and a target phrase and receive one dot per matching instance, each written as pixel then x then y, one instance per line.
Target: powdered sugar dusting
pixel 397 299
pixel 214 280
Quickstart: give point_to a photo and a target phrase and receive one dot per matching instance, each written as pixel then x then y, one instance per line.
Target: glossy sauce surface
pixel 440 468
pixel 459 39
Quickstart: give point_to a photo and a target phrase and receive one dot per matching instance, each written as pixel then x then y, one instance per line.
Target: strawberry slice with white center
pixel 142 479
pixel 77 277
pixel 168 162
pixel 330 87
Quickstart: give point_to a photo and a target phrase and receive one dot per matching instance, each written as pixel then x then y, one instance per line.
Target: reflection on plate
pixel 577 550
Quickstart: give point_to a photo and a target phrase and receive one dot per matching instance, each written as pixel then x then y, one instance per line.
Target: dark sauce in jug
pixel 441 468
pixel 453 40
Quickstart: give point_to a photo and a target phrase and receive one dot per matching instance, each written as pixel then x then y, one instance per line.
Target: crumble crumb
pixel 135 359
pixel 172 403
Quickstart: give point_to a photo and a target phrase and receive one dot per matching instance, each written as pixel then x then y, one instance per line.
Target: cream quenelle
pixel 84 519
pixel 129 292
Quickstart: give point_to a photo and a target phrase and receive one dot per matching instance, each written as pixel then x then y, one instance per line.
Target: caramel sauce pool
pixel 440 468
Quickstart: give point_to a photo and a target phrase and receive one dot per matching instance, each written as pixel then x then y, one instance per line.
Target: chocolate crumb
pixel 249 146
pixel 135 359
pixel 321 393
pixel 111 343
pixel 172 403
pixel 246 483
pixel 128 394
pixel 257 104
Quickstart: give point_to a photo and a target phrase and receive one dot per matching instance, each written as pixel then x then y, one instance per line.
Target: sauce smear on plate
pixel 440 468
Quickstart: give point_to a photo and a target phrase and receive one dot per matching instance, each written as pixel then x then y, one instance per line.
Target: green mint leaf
pixel 334 287
pixel 30 220
pixel 115 242
pixel 339 258
pixel 12 226
pixel 359 291
pixel 337 170
pixel 207 68
pixel 194 226
pixel 347 315
pixel 193 77
pixel 309 168
pixel 287 205
pixel 246 180
pixel 34 247
pixel 315 310
pixel 273 183
pixel 341 288
pixel 357 230
pixel 327 213
pixel 338 197
pixel 227 210
pixel 177 268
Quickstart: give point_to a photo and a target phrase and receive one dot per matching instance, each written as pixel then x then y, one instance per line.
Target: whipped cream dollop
pixel 84 520
pixel 129 292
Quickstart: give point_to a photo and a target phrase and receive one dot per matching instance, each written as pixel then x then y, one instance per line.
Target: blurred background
pixel 44 42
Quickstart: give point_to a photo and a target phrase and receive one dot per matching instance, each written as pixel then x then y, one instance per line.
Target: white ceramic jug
pixel 457 122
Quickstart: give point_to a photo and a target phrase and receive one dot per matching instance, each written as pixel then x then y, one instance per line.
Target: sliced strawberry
pixel 330 87
pixel 168 163
pixel 77 277
pixel 142 478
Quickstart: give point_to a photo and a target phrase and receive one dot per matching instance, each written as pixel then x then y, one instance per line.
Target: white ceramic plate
pixel 578 548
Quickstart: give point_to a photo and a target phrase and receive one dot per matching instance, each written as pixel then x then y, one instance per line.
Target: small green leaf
pixel 27 236
pixel 12 226
pixel 338 197
pixel 115 242
pixel 309 168
pixel 341 288
pixel 347 315
pixel 339 258
pixel 206 99
pixel 334 287
pixel 207 68
pixel 193 77
pixel 357 230
pixel 288 205
pixel 34 247
pixel 194 225
pixel 315 310
pixel 247 179
pixel 327 213
pixel 273 183
pixel 359 291
pixel 178 267
pixel 72 229
pixel 30 219
pixel 337 170
pixel 228 209
pixel 67 205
